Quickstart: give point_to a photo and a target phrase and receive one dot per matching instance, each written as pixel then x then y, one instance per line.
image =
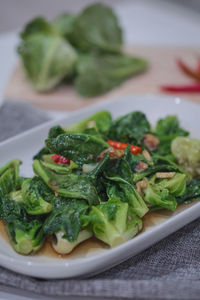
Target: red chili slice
pixel 195 88
pixel 195 74
pixel 59 159
pixel 121 146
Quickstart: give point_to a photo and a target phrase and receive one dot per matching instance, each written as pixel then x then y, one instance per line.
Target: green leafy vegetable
pixel 130 128
pixel 187 153
pixel 9 177
pixel 113 222
pixel 154 196
pixel 64 25
pixel 66 184
pixel 55 131
pixel 97 28
pixel 166 130
pixel 36 196
pixel 152 170
pixel 85 50
pixel 176 185
pixel 37 25
pixel 85 187
pixel 163 192
pixel 192 191
pixel 81 148
pixel 47 59
pixel 26 234
pixel 66 216
pixel 121 189
pixel 101 121
pixel 99 73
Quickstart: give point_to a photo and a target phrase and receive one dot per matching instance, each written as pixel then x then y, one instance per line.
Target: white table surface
pixel 145 22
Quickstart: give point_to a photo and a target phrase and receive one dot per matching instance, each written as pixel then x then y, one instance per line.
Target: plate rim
pixel 175 99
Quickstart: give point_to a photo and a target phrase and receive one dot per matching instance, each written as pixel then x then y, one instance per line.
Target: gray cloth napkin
pixel 168 270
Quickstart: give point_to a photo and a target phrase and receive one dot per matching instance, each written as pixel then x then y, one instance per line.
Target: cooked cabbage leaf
pixel 187 153
pixel 113 222
pixel 166 130
pixel 66 184
pixel 130 128
pixel 79 147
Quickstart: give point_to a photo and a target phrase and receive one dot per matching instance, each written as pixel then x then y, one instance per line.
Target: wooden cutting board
pixel 162 70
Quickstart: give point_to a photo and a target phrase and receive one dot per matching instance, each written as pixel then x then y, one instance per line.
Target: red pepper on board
pixel 195 74
pixel 198 66
pixel 195 88
pixel 121 146
pixel 185 88
pixel 59 159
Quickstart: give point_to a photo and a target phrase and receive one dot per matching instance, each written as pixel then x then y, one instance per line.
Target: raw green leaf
pixel 97 28
pixel 98 73
pixel 37 25
pixel 64 24
pixel 47 59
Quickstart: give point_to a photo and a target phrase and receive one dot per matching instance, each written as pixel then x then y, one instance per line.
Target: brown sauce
pixel 93 245
pixel 82 250
pixel 156 217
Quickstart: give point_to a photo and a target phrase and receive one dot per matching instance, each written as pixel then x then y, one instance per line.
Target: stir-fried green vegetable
pixel 25 232
pixel 79 147
pixel 113 222
pixel 130 128
pixel 187 153
pixel 98 177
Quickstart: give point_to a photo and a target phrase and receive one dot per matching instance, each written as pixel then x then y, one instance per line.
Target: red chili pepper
pixel 59 159
pixel 195 88
pixel 195 74
pixel 198 66
pixel 121 146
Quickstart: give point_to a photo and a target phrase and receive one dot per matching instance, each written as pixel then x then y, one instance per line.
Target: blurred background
pixel 14 13
pixel 140 18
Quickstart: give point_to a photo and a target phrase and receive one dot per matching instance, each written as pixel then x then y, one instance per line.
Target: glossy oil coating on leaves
pixel 112 222
pixel 187 152
pixel 66 216
pixel 65 183
pixel 81 148
pixel 130 128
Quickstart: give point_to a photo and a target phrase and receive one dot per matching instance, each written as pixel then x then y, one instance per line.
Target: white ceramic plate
pixel 92 256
